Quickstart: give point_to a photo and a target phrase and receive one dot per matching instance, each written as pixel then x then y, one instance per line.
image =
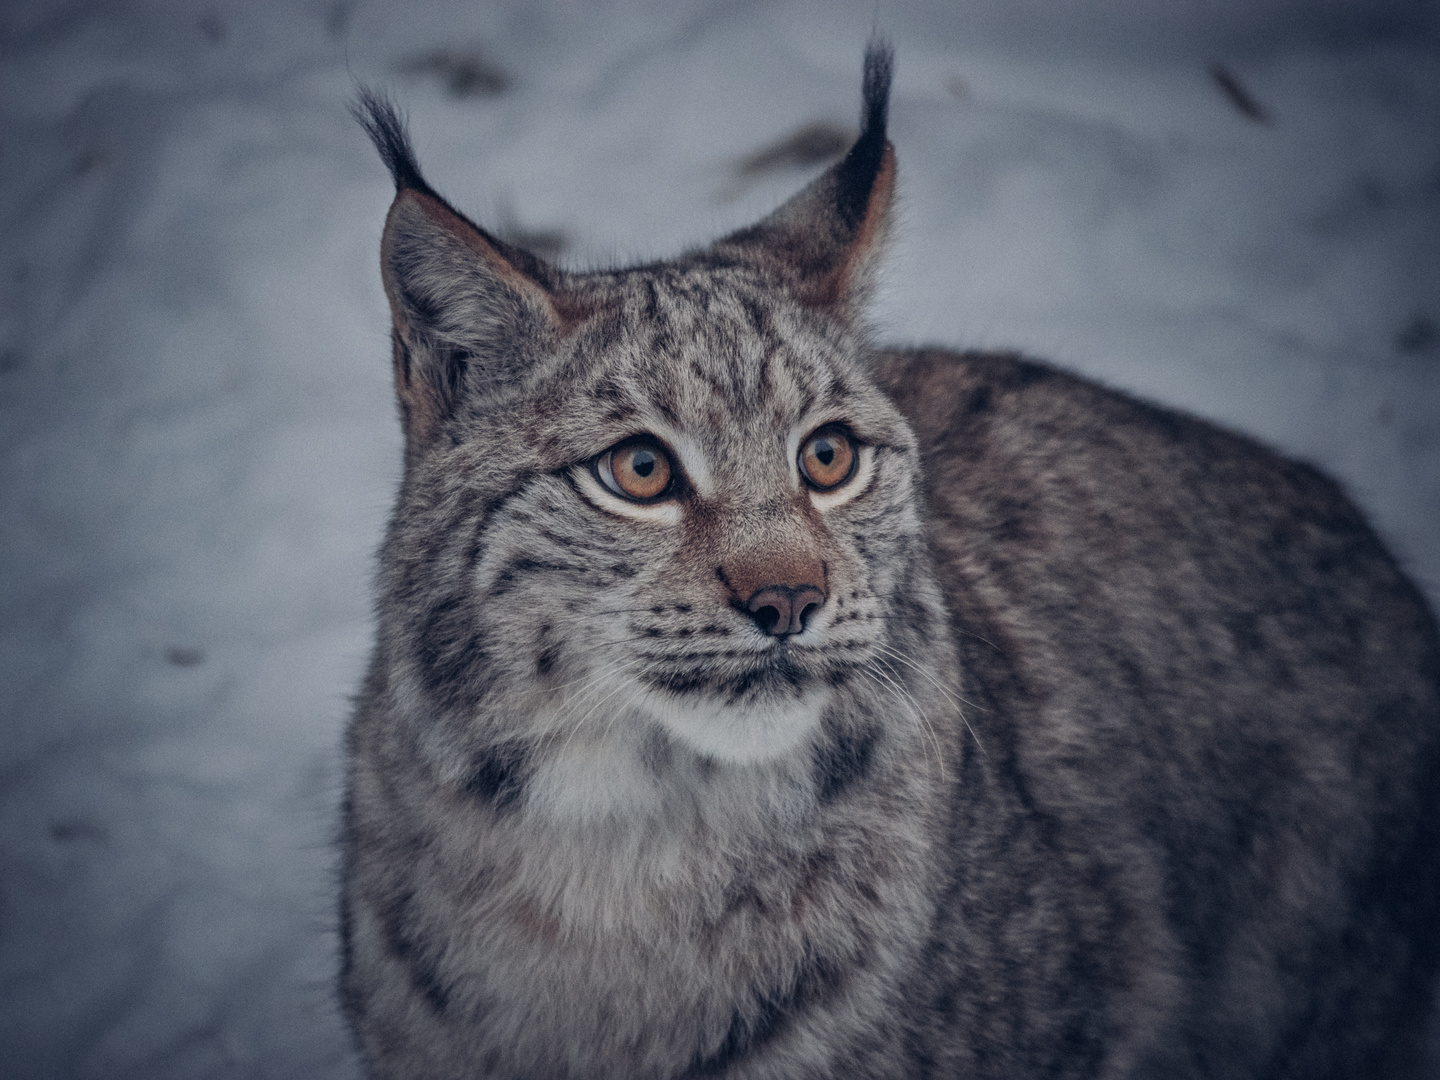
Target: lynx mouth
pixel 734 677
pixel 737 707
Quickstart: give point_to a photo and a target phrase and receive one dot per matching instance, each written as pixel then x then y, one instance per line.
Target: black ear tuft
pixel 824 242
pixel 385 125
pixel 855 176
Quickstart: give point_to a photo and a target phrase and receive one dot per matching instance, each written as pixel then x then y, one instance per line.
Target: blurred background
pixel 1230 206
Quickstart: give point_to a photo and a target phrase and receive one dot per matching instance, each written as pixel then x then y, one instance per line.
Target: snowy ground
pixel 197 442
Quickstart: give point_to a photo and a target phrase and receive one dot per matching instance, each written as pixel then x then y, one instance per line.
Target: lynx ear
pixel 471 314
pixel 825 242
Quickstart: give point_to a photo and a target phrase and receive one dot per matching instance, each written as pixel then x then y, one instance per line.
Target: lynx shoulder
pixel 751 701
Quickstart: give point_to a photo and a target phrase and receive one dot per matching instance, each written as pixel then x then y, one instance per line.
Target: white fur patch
pixel 691 455
pixel 742 734
pixel 667 512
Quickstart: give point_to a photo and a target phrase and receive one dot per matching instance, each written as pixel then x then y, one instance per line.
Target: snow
pixel 198 444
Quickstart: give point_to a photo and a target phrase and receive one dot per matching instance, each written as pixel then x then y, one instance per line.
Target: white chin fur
pixel 741 734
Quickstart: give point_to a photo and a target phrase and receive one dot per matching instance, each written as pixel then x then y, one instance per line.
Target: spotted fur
pixel 1110 751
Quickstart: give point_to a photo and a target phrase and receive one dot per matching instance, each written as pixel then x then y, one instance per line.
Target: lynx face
pixel 643 509
pixel 709 543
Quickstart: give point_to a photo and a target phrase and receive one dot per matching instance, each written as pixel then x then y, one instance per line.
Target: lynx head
pixel 664 504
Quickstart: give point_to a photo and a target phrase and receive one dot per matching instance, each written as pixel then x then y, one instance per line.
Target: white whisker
pixel 594 683
pixel 907 699
pixel 578 724
pixel 592 675
pixel 954 700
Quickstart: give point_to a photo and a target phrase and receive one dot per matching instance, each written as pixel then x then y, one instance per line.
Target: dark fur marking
pixel 717 388
pixel 494 504
pixel 608 389
pixel 781 669
pixel 602 337
pixel 617 415
pixel 803 376
pixel 759 321
pixel 454 363
pixel 506 579
pixel 422 967
pixel 784 668
pixel 478 525
pixel 842 761
pixel 498 777
pixel 771 1012
pixel 555 538
pixel 667 411
pixel 449 647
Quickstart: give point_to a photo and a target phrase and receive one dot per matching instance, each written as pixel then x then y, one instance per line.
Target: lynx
pixel 752 701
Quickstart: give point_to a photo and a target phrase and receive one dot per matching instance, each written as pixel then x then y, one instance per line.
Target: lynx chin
pixel 750 700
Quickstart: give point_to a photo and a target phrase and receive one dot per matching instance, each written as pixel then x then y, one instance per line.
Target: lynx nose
pixel 780 610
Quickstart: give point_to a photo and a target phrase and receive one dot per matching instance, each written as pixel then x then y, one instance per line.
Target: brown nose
pixel 780 610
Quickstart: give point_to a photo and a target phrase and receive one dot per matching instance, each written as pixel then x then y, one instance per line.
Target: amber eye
pixel 827 458
pixel 636 469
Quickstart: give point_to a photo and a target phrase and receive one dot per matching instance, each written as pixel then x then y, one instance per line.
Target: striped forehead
pixel 717 355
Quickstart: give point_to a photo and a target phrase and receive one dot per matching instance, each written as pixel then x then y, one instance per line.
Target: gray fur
pixel 1112 753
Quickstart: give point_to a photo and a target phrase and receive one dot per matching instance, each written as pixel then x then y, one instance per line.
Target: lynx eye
pixel 637 469
pixel 827 458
